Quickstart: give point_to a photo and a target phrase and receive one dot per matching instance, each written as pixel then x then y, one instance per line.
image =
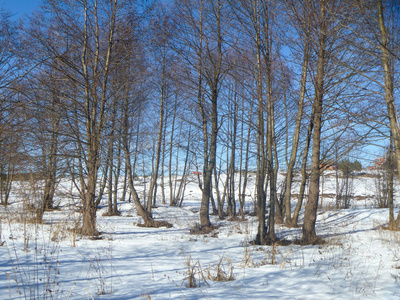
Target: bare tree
pixel 162 41
pixel 329 79
pixel 9 106
pixel 387 61
pixel 84 56
pixel 375 38
pixel 44 94
pixel 302 18
pixel 310 215
pixel 204 23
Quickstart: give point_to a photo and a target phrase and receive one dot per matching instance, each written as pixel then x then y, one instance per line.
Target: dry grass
pixel 194 273
pixel 197 229
pixel 223 271
pixel 157 224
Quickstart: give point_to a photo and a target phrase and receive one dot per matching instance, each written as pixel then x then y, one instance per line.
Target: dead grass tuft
pixel 197 229
pixel 235 219
pixel 194 273
pixel 113 214
pixel 314 242
pixel 275 242
pixel 222 272
pixel 157 224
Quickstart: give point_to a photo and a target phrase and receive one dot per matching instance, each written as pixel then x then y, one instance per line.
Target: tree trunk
pixel 153 182
pixel 110 178
pixel 178 197
pixel 146 215
pixel 388 70
pixel 209 162
pixel 310 215
pixel 303 183
pixel 261 158
pixel 220 202
pixel 275 209
pixel 172 190
pixel 232 167
pixel 89 206
pixel 115 211
pixel 296 135
pixel 210 150
pixel 95 108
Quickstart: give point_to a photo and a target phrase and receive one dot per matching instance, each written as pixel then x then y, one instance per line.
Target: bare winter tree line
pixel 103 91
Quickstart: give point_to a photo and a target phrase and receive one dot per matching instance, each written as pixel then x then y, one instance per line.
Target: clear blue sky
pixel 20 7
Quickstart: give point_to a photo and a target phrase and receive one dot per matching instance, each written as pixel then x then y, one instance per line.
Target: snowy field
pixel 359 261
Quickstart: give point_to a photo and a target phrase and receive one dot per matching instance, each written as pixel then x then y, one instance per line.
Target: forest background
pixel 104 91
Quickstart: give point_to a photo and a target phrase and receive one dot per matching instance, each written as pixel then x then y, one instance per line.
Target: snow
pixel 360 260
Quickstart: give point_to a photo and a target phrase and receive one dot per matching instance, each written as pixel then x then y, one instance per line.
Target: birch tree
pixel 201 44
pixel 84 56
pixel 310 215
pixel 389 54
pixel 302 18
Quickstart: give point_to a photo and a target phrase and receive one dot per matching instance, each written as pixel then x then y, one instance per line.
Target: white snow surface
pixel 360 259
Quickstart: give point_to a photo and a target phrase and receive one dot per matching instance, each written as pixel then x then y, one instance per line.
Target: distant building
pixel 327 166
pixel 378 163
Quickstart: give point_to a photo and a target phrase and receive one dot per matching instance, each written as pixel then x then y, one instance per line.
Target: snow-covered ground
pixel 359 261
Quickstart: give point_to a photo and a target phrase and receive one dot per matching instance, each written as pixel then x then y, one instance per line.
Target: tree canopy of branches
pixel 108 92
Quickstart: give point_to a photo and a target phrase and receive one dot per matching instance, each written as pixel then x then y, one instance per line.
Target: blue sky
pixel 20 7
